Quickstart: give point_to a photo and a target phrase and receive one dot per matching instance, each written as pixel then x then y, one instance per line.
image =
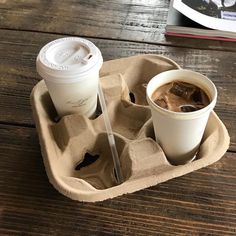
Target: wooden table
pixel 200 203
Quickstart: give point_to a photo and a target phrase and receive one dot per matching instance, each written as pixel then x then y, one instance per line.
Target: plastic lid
pixel 66 58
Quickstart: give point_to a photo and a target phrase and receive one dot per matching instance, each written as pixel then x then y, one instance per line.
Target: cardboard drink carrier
pixel 76 151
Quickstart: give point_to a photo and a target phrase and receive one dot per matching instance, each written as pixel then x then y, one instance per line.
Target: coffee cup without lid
pixel 180 133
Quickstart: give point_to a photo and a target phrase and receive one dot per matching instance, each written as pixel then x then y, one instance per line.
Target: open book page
pixel 214 14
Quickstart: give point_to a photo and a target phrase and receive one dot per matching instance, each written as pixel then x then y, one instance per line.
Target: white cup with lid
pixel 70 68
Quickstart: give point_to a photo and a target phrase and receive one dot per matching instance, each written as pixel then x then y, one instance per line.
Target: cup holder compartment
pixel 76 151
pixel 96 165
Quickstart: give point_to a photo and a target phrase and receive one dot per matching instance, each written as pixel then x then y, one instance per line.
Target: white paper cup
pixel 70 67
pixel 179 133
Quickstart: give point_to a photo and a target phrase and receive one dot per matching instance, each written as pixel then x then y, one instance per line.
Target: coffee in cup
pixel 180 131
pixel 179 96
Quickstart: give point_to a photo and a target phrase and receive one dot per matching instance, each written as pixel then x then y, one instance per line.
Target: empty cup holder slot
pixel 87 160
pixel 96 166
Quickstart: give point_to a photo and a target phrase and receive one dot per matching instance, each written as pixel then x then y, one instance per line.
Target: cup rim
pixel 181 115
pixel 67 73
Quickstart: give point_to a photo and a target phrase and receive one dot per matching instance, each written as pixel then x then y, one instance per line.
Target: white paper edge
pixel 207 21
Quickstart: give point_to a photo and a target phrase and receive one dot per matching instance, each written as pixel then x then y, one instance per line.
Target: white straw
pixel 110 136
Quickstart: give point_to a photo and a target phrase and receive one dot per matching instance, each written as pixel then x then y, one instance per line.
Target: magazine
pixel 211 19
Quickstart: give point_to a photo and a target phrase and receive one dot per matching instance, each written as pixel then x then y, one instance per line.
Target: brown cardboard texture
pixel 75 149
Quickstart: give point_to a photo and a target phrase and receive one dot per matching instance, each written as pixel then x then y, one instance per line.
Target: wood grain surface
pixel 130 20
pixel 200 203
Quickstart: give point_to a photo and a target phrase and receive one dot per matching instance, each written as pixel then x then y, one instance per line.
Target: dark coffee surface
pixel 180 96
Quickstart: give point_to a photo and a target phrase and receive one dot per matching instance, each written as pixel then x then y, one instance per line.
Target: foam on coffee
pixel 179 96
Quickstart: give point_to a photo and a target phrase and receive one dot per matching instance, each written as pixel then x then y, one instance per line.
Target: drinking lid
pixel 68 57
